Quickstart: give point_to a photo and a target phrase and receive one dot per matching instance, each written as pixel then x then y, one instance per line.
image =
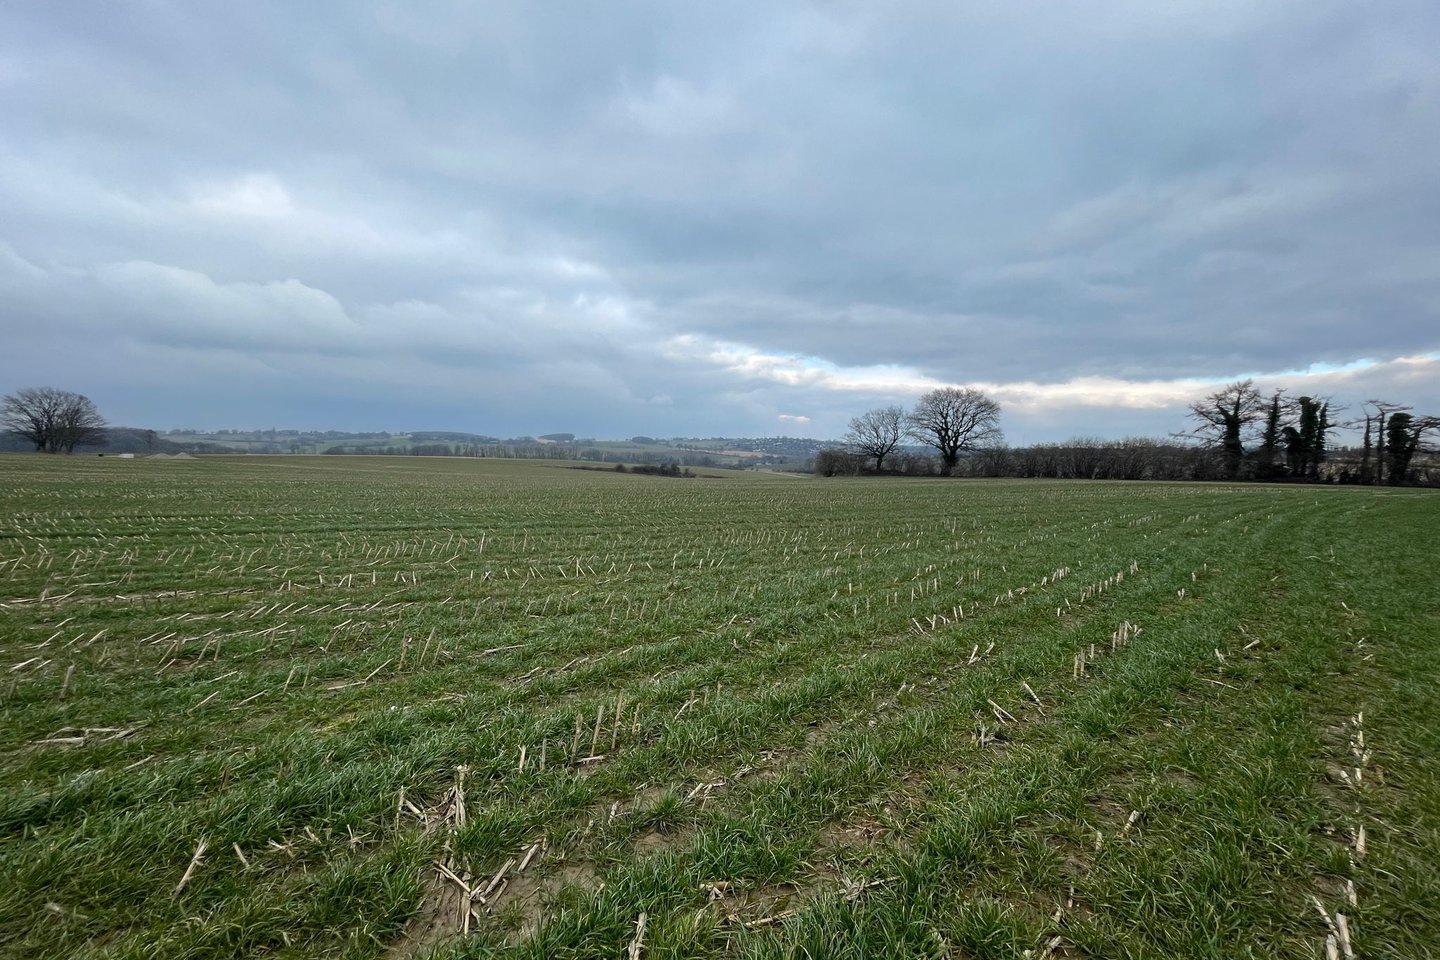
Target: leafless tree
pixel 876 433
pixel 954 419
pixel 56 421
pixel 1223 418
pixel 834 462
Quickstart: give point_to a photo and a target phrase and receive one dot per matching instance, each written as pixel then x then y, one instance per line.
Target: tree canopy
pixel 955 419
pixel 876 432
pixel 1224 416
pixel 55 421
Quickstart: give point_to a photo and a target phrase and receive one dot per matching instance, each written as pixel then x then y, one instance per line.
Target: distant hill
pixel 119 440
pixel 786 448
pixel 767 452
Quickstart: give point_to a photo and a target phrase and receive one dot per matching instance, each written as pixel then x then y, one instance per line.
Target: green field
pixel 400 707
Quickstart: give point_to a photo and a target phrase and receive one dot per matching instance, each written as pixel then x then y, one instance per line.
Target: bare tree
pixel 54 420
pixel 833 462
pixel 953 420
pixel 876 433
pixel 1223 418
pixel 30 414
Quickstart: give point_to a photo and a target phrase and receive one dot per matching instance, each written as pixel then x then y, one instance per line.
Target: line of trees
pixel 952 420
pixel 1288 438
pixel 55 421
pixel 1393 436
pixel 1084 458
pixel 1237 433
pixel 1290 445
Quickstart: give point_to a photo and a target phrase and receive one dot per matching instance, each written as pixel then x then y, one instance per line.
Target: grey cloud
pixel 363 197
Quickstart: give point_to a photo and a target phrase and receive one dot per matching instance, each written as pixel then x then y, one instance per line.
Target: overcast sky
pixel 715 218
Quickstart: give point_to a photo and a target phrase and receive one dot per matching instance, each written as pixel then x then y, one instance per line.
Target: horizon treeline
pixel 1238 434
pixel 1133 458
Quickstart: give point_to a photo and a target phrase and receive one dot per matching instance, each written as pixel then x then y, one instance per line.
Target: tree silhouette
pixel 56 421
pixel 1223 418
pixel 876 432
pixel 952 419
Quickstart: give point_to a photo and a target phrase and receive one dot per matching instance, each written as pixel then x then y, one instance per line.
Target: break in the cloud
pixel 741 219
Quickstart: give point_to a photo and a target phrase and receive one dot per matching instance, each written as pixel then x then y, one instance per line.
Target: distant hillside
pixel 780 448
pixel 766 452
pixel 120 440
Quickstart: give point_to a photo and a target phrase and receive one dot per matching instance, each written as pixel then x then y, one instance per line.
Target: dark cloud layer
pixel 667 218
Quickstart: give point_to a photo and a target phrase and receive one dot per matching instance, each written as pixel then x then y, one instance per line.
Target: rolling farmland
pixel 398 707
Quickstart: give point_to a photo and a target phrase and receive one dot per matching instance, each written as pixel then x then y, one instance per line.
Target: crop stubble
pixel 385 707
